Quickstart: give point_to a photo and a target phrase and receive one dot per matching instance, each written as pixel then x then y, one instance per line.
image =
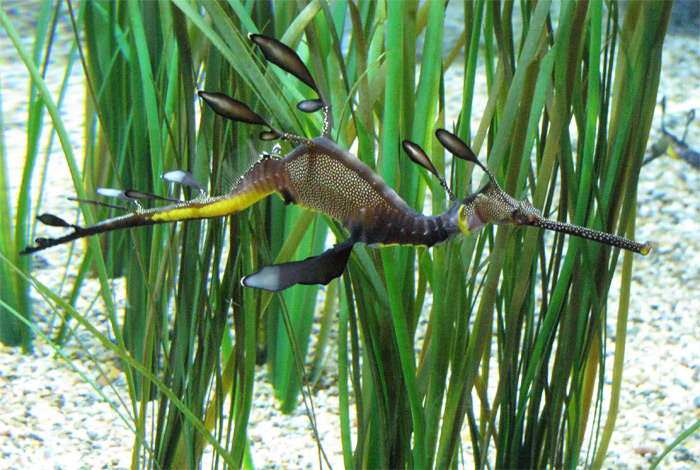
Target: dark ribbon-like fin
pixel 288 60
pixel 320 269
pixel 459 149
pixel 285 58
pixel 235 110
pixel 310 106
pixel 417 154
pixel 55 221
pixel 232 109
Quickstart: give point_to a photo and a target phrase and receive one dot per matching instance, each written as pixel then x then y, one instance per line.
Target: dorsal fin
pixel 418 156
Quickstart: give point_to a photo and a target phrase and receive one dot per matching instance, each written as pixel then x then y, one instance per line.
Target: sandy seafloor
pixel 51 417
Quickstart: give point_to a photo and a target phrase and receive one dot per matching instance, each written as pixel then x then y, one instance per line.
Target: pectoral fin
pixel 320 269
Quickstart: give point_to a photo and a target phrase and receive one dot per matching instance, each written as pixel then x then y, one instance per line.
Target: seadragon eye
pixel 518 217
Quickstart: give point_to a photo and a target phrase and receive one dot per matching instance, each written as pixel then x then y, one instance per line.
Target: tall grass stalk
pixel 511 360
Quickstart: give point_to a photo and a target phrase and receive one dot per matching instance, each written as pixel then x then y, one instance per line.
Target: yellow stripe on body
pixel 219 207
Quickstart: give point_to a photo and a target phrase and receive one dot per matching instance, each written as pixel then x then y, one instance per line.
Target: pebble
pixel 51 418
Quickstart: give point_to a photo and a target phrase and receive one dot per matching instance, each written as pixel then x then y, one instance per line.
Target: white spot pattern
pixel 323 183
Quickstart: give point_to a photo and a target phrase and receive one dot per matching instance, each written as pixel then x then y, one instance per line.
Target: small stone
pixel 643 451
pixel 682 455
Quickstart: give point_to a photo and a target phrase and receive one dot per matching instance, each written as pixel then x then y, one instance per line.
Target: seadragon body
pixel 320 175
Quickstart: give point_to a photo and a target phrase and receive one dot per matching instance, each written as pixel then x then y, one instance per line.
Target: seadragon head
pixel 492 205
